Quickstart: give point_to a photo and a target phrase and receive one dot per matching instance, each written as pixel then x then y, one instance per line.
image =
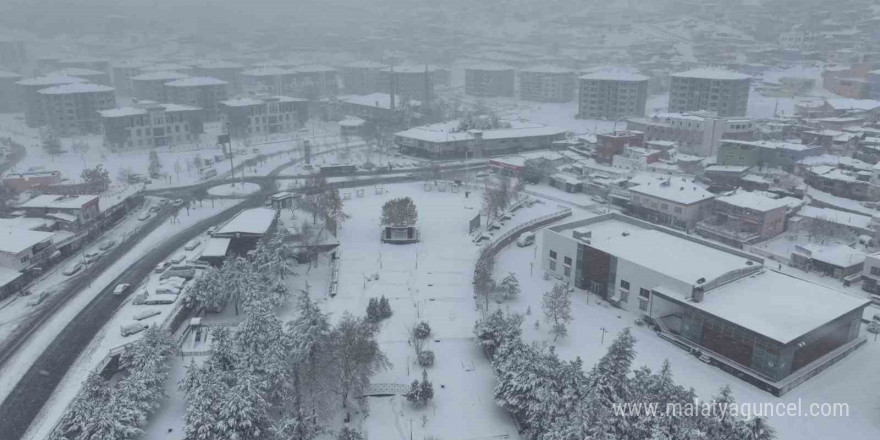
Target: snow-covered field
pixel 234 189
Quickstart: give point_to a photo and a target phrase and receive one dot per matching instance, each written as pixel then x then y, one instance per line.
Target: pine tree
pixel 384 308
pixel 496 329
pixel 373 313
pixel 399 212
pixel 347 433
pixel 412 396
pixel 557 309
pixel 509 287
pixel 98 176
pixel 51 144
pixel 426 389
pixel 155 165
pixel 757 429
pixel 609 383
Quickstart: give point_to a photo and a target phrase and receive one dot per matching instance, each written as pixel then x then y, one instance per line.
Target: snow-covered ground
pixel 234 189
pixel 108 338
pixel 845 382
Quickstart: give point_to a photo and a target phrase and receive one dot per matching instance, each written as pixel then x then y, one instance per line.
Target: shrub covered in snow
pixel 426 358
pixel 422 330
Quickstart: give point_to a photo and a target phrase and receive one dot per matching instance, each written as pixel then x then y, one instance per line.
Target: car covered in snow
pixel 72 268
pixel 40 298
pixel 194 243
pixel 144 216
pixel 107 244
pixel 91 257
pixel 121 288
pixel 178 258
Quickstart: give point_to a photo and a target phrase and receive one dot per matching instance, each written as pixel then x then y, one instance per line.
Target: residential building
pixel 547 84
pixel 269 80
pixel 75 212
pixel 833 221
pixel 873 80
pixel 198 91
pixel 34 111
pixel 168 67
pixel 489 80
pixel 636 158
pixel 871 274
pixel 784 155
pixel 152 126
pixel 222 70
pixel 444 140
pixel 671 201
pixel 612 94
pixel 13 53
pixel 315 81
pixel 23 250
pixel 800 38
pixel 150 86
pixel 90 63
pixel 838 108
pixel 93 76
pixel 122 74
pixel 721 91
pixel 744 218
pixel 10 94
pixel 262 115
pixel 411 82
pixel 725 177
pixel 32 180
pixel 772 330
pixel 361 78
pixel 73 108
pixel 850 184
pixel 378 108
pixel 697 133
pixel 612 144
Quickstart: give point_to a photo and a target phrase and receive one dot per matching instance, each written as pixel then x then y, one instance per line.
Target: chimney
pixel 698 294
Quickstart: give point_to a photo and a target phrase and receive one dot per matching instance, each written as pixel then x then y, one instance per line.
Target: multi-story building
pixel 223 70
pixel 167 67
pixel 408 82
pixel 34 114
pixel 800 37
pixel 744 218
pixel 314 81
pixel 73 108
pixel 444 140
pixel 262 115
pixel 150 86
pixel 671 201
pixel 873 79
pixel 547 84
pixel 771 329
pixel 361 78
pixel 10 94
pixel 612 144
pixel 871 274
pixel 612 94
pixel 152 126
pixel 198 91
pixel 698 133
pixel 75 212
pixel 377 108
pixel 90 63
pixel 93 76
pixel 722 91
pixel 784 155
pixel 13 53
pixel 21 182
pixel 23 249
pixel 268 80
pixel 489 80
pixel 123 72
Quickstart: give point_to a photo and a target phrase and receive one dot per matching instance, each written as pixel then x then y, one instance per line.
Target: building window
pixel 624 296
pixel 643 304
pixel 875 271
pixel 567 261
pixel 552 264
pixel 566 270
pixel 552 255
pixel 664 207
pixel 624 284
pixel 644 293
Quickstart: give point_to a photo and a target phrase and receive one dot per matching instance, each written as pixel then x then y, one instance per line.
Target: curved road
pixel 25 401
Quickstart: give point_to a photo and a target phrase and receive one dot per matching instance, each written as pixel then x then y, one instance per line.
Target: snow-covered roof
pixel 218 64
pixel 66 89
pixel 159 76
pixel 614 74
pixel 674 189
pixel 547 69
pixel 162 67
pixel 246 102
pixel 837 255
pixel 249 221
pixel 835 216
pixel 753 200
pixel 710 73
pixel 775 305
pixel 130 64
pixel 772 145
pixel 30 223
pixel 382 100
pixel 8 275
pixel 216 247
pixel 410 68
pixel 62 216
pixel 50 80
pixel 14 240
pixel 196 81
pixel 313 68
pixel 5 74
pixel 488 66
pixel 352 121
pixel 366 65
pixel 267 71
pixel 853 104
pixel 56 201
pixel 728 168
pixel 567 178
pixel 443 132
pixel 77 71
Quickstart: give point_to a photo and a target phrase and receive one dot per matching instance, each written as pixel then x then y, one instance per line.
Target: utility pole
pixel 223 142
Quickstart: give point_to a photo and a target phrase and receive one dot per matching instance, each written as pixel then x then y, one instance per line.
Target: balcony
pixel 724 232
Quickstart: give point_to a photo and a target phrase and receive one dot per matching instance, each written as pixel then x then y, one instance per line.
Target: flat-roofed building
pixel 11 99
pixel 122 73
pixel 90 63
pixel 247 228
pixel 198 91
pixel 377 108
pixel 547 84
pixel 26 181
pixel 152 126
pixel 23 249
pixel 223 70
pixel 313 81
pixel 698 133
pixel 93 76
pixel 773 330
pixel 612 94
pixel 73 108
pixel 34 111
pixel 721 91
pixel 150 86
pixel 409 81
pixel 269 80
pixel 671 201
pixel 784 155
pixel 489 80
pixel 444 140
pixel 262 115
pixel 361 78
pixel 744 218
pixel 75 211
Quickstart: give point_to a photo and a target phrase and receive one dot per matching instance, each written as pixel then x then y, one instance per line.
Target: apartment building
pixel 612 144
pixel 443 140
pixel 676 202
pixel 377 108
pixel 10 94
pixel 547 84
pixel 13 53
pixel 198 91
pixel 89 63
pixel 268 80
pixel 34 112
pixel 92 76
pixel 871 274
pixel 783 155
pixel 150 86
pixel 315 81
pixel 361 78
pixel 222 70
pixel 771 329
pixel 489 80
pixel 73 108
pixel 153 126
pixel 698 133
pixel 744 218
pixel 262 115
pixel 873 80
pixel 612 94
pixel 122 72
pixel 75 212
pixel 721 91
pixel 408 81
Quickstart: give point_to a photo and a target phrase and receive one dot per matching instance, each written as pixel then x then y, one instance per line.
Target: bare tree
pixel 357 356
pixel 557 309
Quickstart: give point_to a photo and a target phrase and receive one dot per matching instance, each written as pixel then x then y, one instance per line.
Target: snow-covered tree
pixel 496 329
pixel 483 282
pixel 420 393
pixel 399 212
pixel 51 144
pixel 333 210
pixel 260 343
pixel 356 356
pixel 557 309
pixel 347 433
pixel 508 288
pixel 97 176
pixel 155 165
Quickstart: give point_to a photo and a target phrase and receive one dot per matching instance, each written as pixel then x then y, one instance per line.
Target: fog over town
pixel 447 220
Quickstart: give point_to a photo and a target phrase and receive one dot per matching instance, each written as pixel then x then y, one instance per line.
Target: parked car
pixel 120 289
pixel 146 314
pixel 162 266
pixel 107 244
pixel 144 215
pixel 184 272
pixel 93 256
pixel 211 230
pixel 178 203
pixel 526 239
pixel 178 258
pixel 194 243
pixel 135 327
pixel 154 208
pixel 39 299
pixel 72 269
